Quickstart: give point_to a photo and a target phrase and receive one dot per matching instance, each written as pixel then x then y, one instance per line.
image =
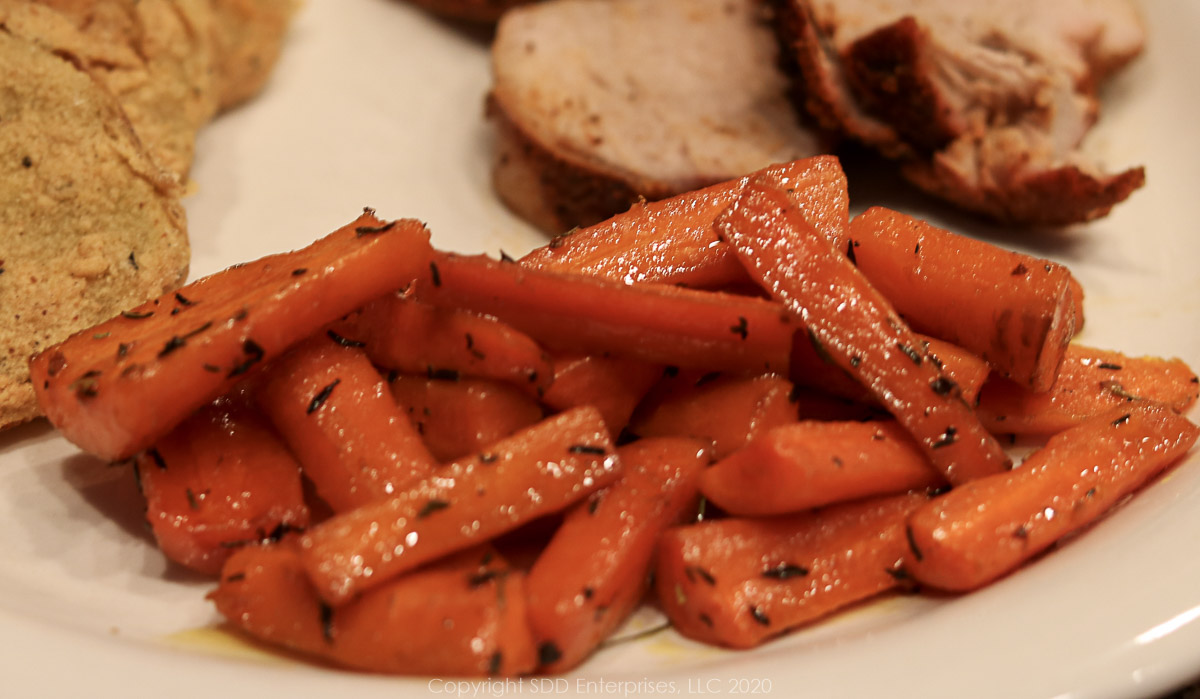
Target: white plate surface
pixel 376 104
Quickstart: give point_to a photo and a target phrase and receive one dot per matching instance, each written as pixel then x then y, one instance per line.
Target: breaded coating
pixel 89 223
pixel 246 39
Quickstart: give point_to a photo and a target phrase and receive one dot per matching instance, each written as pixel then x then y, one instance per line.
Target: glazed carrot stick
pixel 594 571
pixel 535 472
pixel 650 322
pixel 726 412
pixel 964 368
pixel 613 385
pixel 464 616
pixel 118 387
pixel 671 241
pixel 401 333
pixel 858 329
pixel 984 529
pixel 334 410
pixel 810 464
pixel 1090 382
pixel 738 582
pixel 458 417
pixel 220 479
pixel 1015 311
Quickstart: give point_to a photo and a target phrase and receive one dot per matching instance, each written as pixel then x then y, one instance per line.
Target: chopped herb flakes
pixel 372 230
pixel 431 507
pixel 548 653
pixel 322 396
pixel 785 571
pixel 344 342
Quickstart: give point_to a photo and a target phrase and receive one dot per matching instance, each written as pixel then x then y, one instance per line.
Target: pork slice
pixel 600 102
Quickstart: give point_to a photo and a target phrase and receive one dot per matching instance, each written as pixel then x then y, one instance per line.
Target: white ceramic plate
pixel 376 104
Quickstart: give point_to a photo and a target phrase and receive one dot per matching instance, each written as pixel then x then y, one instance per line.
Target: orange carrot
pixel 1015 311
pixel 401 333
pixel 671 241
pixel 458 417
pixel 535 472
pixel 654 323
pixel 858 329
pixel 120 386
pixel 1090 382
pixel 464 616
pixel 810 464
pixel 984 529
pixel 334 410
pixel 966 370
pixel 220 479
pixel 594 572
pixel 738 582
pixel 724 411
pixel 613 385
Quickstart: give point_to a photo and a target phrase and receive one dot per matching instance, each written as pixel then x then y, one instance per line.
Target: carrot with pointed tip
pixel 118 387
pixel 594 571
pixel 813 463
pixel 671 241
pixel 858 329
pixel 986 528
pixel 535 472
pixel 334 410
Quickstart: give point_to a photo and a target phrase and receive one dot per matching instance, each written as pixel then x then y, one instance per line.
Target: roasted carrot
pixel 614 386
pixel 464 616
pixel 456 417
pixel 1015 311
pixel 738 582
pixel 334 410
pixel 401 333
pixel 1090 382
pixel 594 571
pixel 810 464
pixel 964 368
pixel 858 329
pixel 535 472
pixel 220 479
pixel 671 241
pixel 118 387
pixel 655 323
pixel 726 412
pixel 984 529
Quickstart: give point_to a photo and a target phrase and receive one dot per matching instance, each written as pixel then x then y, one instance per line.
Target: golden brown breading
pixel 246 38
pixel 89 223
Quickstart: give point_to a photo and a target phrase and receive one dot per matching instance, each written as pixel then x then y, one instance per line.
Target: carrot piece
pixel 401 333
pixel 984 529
pixel 464 616
pixel 671 241
pixel 593 573
pixel 120 386
pixel 964 368
pixel 334 411
pixel 725 411
pixel 219 479
pixel 614 385
pixel 535 472
pixel 458 417
pixel 738 582
pixel 810 464
pixel 575 314
pixel 1090 382
pixel 858 329
pixel 1015 311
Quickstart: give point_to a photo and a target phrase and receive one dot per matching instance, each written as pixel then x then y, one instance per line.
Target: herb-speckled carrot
pixel 858 329
pixel 457 417
pixel 220 479
pixel 1090 382
pixel 986 528
pixel 535 472
pixel 738 582
pixel 814 463
pixel 671 241
pixel 118 387
pixel 651 322
pixel 464 616
pixel 1016 311
pixel 613 385
pixel 594 571
pixel 334 410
